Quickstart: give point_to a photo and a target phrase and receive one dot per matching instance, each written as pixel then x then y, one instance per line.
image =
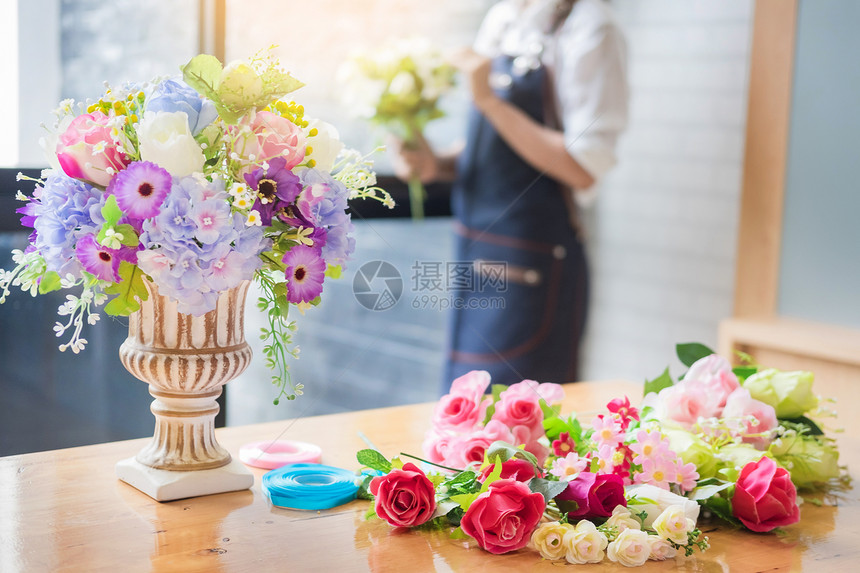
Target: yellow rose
pixel 622 519
pixel 547 539
pixel 661 549
pixel 584 544
pixel 631 548
pixel 673 524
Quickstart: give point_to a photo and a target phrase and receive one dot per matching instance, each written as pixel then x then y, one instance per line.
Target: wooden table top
pixel 65 510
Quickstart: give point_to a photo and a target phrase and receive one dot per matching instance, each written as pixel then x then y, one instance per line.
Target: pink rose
pixel 764 496
pixel 78 149
pixel 437 445
pixel 742 406
pixel 470 448
pixel 465 406
pixel 272 136
pixel 686 402
pixel 715 374
pixel 594 495
pixel 519 405
pixel 515 468
pixel 404 497
pixel 503 518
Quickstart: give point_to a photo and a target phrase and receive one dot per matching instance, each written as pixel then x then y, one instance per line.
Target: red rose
pixel 404 497
pixel 595 495
pixel 503 518
pixel 517 469
pixel 765 497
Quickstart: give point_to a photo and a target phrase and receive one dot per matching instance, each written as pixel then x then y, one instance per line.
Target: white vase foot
pixel 166 485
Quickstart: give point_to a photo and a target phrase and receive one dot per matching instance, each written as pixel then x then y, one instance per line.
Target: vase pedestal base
pixel 167 485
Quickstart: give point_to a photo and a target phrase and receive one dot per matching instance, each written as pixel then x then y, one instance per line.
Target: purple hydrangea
pixel 175 95
pixel 195 248
pixel 323 204
pixel 62 211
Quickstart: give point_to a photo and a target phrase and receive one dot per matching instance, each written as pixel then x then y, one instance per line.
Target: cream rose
pixel 673 524
pixel 631 548
pixel 325 144
pixel 547 539
pixel 641 496
pixel 165 139
pixel 622 519
pixel 584 544
pixel 660 549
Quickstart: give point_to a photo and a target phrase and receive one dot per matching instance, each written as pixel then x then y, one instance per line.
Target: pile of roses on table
pixel 629 485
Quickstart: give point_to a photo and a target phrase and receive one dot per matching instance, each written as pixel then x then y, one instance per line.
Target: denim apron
pixel 508 215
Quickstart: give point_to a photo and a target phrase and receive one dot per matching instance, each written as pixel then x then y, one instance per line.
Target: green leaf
pixel 689 352
pixel 501 452
pixel 744 372
pixel 464 500
pixel 547 488
pixel 129 236
pixel 707 491
pixel 496 392
pixel 549 411
pixel 814 429
pixel 664 380
pixel 111 211
pixel 203 73
pixel 334 271
pixel 130 288
pixel 374 460
pixel 458 533
pixel 50 282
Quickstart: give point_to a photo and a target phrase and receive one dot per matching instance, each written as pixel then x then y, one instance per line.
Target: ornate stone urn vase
pixel 185 360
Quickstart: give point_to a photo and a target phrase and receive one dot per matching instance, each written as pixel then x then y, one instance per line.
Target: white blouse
pixel 587 59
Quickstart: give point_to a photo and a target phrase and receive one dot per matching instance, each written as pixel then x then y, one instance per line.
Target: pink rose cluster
pixel 711 392
pixel 458 437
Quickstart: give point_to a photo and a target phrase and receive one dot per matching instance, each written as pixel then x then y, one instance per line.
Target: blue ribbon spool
pixel 310 486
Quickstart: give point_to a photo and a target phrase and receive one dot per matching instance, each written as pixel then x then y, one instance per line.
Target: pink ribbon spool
pixel 272 455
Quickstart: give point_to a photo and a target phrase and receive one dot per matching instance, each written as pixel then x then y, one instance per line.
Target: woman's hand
pixel 476 69
pixel 415 159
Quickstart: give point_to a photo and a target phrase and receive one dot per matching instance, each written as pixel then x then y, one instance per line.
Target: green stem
pixel 416 198
pixel 431 463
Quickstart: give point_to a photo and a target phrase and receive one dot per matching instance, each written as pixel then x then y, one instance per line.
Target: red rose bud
pixel 764 496
pixel 404 497
pixel 517 469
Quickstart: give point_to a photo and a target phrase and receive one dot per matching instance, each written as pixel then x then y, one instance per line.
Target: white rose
pixel 631 548
pixel 584 544
pixel 673 524
pixel 165 139
pixel 645 494
pixel 326 144
pixel 402 84
pixel 661 549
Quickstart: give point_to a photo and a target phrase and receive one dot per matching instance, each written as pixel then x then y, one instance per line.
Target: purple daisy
pixel 305 274
pixel 97 259
pixel 140 189
pixel 275 189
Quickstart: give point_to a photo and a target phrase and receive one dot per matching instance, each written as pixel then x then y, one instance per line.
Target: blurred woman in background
pixel 549 90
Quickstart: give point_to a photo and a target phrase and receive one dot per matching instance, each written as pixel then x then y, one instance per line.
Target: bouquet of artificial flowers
pixel 193 184
pixel 629 484
pixel 398 87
